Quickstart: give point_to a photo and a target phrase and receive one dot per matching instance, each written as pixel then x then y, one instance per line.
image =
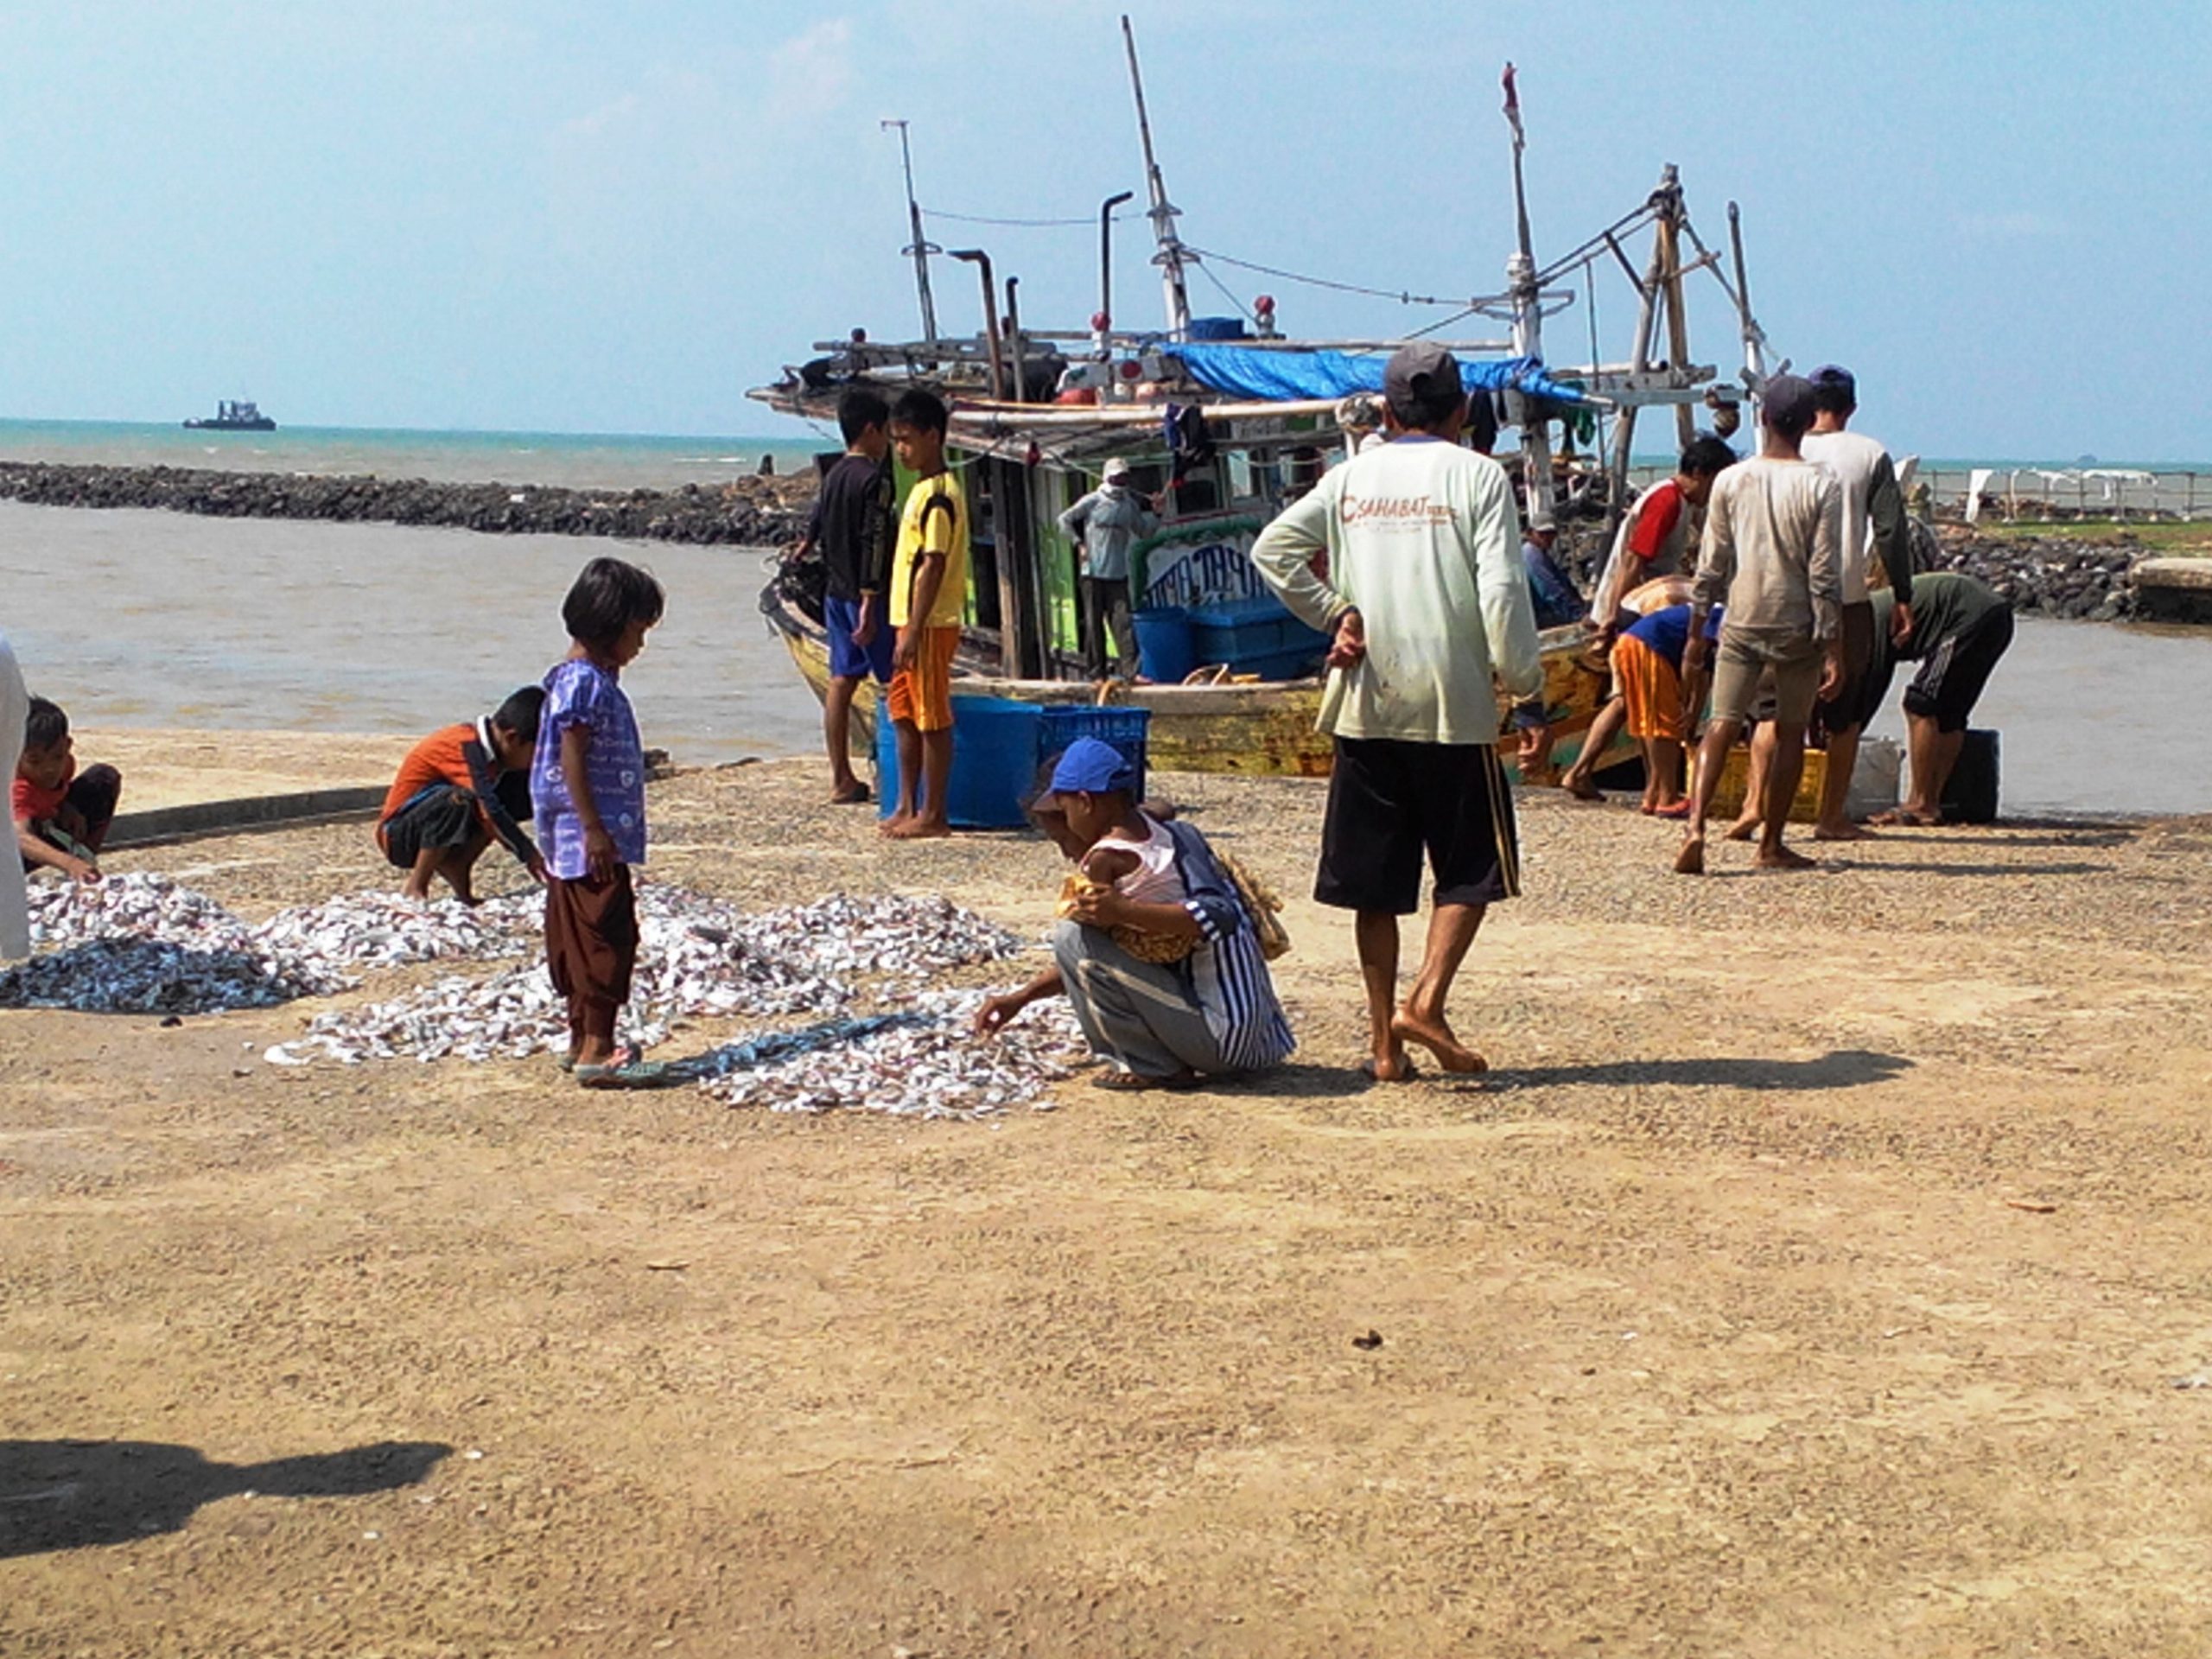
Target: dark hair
pixel 1707 457
pixel 1834 390
pixel 607 598
pixel 519 713
pixel 858 409
pixel 1482 422
pixel 923 410
pixel 45 725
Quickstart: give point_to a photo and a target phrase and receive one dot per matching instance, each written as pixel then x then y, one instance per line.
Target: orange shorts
pixel 1652 690
pixel 921 697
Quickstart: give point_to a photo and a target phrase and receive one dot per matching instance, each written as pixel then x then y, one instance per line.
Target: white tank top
pixel 1156 881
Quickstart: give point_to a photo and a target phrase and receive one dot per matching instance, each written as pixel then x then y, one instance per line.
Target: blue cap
pixel 1091 767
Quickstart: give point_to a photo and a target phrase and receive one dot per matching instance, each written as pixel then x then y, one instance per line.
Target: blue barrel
pixel 1167 651
pixel 994 762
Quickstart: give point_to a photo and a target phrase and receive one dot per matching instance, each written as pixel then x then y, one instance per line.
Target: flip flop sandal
pixel 625 1054
pixel 1677 813
pixel 1136 1081
pixel 636 1074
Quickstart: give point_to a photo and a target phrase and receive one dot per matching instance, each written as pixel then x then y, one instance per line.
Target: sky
pixel 555 216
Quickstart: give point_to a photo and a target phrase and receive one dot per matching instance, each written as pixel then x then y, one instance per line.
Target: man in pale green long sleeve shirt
pixel 1427 600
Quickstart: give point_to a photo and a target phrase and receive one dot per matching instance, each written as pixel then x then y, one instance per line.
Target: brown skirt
pixel 591 936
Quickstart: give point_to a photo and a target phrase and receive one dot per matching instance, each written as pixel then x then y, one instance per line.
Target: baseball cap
pixel 1837 381
pixel 1089 766
pixel 1117 467
pixel 1418 372
pixel 1787 400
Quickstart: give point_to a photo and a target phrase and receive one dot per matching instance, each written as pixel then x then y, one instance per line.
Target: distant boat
pixel 242 416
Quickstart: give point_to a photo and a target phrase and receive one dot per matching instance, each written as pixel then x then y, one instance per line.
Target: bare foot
pixel 1691 860
pixel 852 794
pixel 1845 832
pixel 1909 818
pixel 1389 1068
pixel 1579 785
pixel 1742 830
pixel 921 829
pixel 1781 858
pixel 1436 1037
pixel 892 825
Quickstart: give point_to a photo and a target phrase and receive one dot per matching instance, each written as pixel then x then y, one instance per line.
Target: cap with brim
pixel 1117 467
pixel 1089 766
pixel 1787 400
pixel 1417 374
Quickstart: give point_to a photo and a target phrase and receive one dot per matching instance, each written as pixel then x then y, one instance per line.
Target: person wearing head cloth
pixel 1103 526
pixel 1155 950
pixel 1428 603
pixel 15 711
pixel 1772 550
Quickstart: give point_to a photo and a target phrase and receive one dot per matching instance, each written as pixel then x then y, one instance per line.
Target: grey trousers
pixel 1136 1014
pixel 1106 610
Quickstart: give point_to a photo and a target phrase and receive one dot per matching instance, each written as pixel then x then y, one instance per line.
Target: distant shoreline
pixel 751 511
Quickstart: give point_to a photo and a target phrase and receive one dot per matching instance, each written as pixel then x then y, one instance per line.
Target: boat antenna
pixel 1172 255
pixel 921 247
pixel 1528 324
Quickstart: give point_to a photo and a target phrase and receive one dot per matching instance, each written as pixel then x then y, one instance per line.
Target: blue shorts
pixel 848 661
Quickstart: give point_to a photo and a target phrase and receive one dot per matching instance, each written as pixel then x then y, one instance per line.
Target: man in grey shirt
pixel 1104 525
pixel 1772 533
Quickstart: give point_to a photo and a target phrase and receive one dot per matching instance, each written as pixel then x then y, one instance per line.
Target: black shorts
pixel 1949 683
pixel 1390 801
pixel 1840 712
pixel 441 816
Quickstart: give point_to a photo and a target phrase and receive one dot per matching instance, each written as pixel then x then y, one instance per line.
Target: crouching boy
pixel 1157 953
pixel 62 815
pixel 456 790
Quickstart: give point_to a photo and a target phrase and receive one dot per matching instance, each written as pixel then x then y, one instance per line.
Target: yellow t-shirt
pixel 935 520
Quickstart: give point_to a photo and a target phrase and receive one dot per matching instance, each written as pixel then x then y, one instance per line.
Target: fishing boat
pixel 234 414
pixel 1225 420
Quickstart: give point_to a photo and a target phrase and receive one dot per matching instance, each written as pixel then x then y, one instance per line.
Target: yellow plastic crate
pixel 1728 793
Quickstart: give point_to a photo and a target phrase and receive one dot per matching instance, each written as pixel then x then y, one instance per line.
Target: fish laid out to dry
pixel 895 935
pixel 921 1062
pixel 139 943
pixel 388 929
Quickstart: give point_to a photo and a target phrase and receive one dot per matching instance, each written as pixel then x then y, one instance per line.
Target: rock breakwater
pixel 2043 575
pixel 746 511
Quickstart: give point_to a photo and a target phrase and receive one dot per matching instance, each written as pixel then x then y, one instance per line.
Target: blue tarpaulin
pixel 1288 376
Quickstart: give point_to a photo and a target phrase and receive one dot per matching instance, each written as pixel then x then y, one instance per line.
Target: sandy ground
pixel 1714 1325
pixel 178 768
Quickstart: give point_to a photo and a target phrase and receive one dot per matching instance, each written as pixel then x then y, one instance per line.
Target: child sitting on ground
pixel 62 815
pixel 587 782
pixel 457 789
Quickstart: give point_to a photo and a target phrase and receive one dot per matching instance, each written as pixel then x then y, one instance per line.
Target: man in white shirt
pixel 1770 551
pixel 1427 600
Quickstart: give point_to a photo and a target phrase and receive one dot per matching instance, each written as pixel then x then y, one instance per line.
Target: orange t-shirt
pixel 33 804
pixel 436 759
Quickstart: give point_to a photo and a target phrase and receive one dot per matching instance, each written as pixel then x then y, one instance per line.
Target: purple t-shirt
pixel 580 693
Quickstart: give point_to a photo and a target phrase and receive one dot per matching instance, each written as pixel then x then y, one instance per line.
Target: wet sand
pixel 1812 1277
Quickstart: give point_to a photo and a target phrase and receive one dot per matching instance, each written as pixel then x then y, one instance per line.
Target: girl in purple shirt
pixel 588 791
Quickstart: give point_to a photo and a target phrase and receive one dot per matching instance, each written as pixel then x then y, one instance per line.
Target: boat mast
pixel 1173 254
pixel 920 247
pixel 1527 327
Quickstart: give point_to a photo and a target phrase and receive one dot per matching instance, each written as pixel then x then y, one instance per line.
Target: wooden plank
pixel 245 814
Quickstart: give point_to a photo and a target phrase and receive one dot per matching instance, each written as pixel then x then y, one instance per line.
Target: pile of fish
pixel 137 943
pixel 695 959
pixel 385 930
pixel 921 1062
pixel 895 935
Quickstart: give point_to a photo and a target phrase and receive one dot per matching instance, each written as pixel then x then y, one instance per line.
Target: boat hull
pixel 1262 728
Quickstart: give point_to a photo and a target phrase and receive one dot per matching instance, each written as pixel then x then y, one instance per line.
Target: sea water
pixel 159 619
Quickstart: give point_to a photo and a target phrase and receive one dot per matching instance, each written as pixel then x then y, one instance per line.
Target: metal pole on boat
pixel 977 256
pixel 1754 336
pixel 920 246
pixel 1670 247
pixel 1019 390
pixel 1102 326
pixel 1528 327
pixel 1172 254
pixel 1647 316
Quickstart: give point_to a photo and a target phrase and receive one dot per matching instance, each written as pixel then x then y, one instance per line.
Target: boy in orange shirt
pixel 457 789
pixel 62 815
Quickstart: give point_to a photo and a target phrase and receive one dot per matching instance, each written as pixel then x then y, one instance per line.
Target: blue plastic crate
pixel 1245 634
pixel 995 744
pixel 1062 723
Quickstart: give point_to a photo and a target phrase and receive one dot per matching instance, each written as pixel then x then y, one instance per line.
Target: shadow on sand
pixel 1843 1068
pixel 68 1494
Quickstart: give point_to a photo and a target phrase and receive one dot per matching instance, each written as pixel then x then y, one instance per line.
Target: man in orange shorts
pixel 929 596
pixel 1648 664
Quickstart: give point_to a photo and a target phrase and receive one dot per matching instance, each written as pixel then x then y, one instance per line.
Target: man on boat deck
pixel 929 597
pixel 853 526
pixel 1426 599
pixel 1104 525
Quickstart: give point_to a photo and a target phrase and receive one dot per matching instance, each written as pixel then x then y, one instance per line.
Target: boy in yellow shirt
pixel 929 591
